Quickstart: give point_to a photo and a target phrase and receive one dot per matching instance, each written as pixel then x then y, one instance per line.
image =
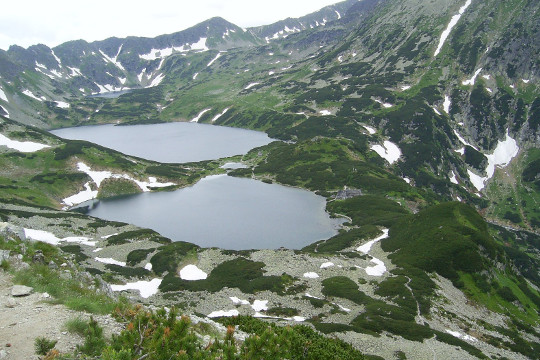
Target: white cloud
pixel 53 22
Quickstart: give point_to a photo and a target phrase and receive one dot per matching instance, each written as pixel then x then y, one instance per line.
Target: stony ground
pixel 24 318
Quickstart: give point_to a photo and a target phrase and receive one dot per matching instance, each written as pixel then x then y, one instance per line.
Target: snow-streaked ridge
pixel 451 24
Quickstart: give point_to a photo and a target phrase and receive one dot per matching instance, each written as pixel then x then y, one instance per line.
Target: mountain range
pixel 430 108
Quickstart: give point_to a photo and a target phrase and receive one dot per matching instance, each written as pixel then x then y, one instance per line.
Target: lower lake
pixel 227 212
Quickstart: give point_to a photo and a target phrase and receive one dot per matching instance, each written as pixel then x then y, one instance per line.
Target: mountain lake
pixel 218 211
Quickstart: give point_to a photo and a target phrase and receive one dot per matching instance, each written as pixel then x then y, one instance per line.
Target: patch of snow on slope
pixel 192 273
pixel 388 151
pixel 338 14
pixel 220 115
pixel 325 112
pixel 214 59
pixel 198 117
pixel 110 261
pixel 195 76
pixel 378 270
pixel 462 140
pixel 251 85
pixel 367 246
pixel 85 195
pixel 62 104
pixel 56 58
pixel 451 24
pixel 22 146
pixel 370 129
pixel 446 104
pixel 222 313
pixel 50 238
pixel 472 80
pixel 146 288
pixel 504 153
pixel 5 110
pixel 461 336
pixel 385 105
pixel 327 265
pixel 238 301
pixel 311 275
pixel 453 179
pixel 157 80
pixel 75 71
pixel 29 93
pixel 3 95
pixel 113 60
pixel 98 176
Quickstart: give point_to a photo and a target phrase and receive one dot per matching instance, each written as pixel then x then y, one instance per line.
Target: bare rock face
pixel 21 290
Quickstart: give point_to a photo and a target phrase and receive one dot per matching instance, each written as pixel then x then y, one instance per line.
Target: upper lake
pixel 177 142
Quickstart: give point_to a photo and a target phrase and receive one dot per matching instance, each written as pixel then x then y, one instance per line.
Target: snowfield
pixel 22 146
pixel 388 151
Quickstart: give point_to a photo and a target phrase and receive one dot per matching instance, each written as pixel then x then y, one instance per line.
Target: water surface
pixel 171 142
pixel 227 212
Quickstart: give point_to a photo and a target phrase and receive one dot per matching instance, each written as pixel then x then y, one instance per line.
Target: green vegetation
pixel 242 273
pixel 43 345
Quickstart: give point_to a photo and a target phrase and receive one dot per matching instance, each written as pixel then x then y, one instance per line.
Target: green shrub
pixel 76 326
pixel 94 342
pixel 43 345
pixel 136 256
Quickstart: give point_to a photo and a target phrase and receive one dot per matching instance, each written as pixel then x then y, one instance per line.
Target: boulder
pixel 21 290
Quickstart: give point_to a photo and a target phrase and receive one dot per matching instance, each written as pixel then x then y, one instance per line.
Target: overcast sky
pixel 52 22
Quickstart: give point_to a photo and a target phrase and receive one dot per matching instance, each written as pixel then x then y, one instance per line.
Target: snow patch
pixel 370 129
pixel 472 80
pixel 198 117
pixel 195 76
pixel 62 104
pixel 461 336
pixel 325 112
pixel 29 93
pixel 327 265
pixel 453 178
pixel 388 151
pixel 146 288
pixel 220 115
pixel 238 301
pixel 214 59
pixel 446 104
pixel 378 270
pixel 436 111
pixel 405 87
pixel 504 153
pixel 22 146
pixel 3 95
pixel 192 273
pixel 221 313
pixel 451 24
pixel 367 246
pixel 50 238
pixel 260 305
pixel 384 104
pixel 157 80
pixel 148 266
pixel 311 275
pixel 110 261
pixel 85 195
pixel 251 85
